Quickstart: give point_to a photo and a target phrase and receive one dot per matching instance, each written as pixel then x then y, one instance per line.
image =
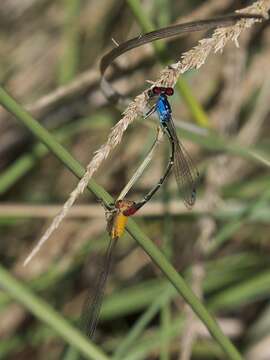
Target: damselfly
pixel 117 219
pixel 186 174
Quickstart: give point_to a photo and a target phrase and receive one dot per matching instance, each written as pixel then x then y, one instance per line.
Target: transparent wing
pixel 185 172
pixel 92 305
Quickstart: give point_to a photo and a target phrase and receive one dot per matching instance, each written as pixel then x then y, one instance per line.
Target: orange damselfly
pixel 117 220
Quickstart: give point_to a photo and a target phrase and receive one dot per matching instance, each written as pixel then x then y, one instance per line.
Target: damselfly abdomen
pixel 186 174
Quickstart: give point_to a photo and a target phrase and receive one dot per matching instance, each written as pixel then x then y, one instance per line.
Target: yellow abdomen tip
pixel 119 226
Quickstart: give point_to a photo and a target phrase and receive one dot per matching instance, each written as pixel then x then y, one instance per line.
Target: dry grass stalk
pixel 231 169
pixel 193 59
pixel 248 135
pixel 143 165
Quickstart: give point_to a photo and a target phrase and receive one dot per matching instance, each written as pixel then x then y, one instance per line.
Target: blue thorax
pixel 163 108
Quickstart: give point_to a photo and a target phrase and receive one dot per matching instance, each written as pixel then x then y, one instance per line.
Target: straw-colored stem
pixel 136 176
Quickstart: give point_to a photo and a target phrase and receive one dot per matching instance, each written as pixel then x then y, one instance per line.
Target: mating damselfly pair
pixel 186 174
pixel 186 177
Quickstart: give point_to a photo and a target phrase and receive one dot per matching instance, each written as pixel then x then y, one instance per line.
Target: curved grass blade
pixel 163 33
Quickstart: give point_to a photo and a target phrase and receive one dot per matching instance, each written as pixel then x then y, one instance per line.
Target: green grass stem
pixel 48 315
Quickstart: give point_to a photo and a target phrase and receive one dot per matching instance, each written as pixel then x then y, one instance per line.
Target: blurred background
pixel 49 56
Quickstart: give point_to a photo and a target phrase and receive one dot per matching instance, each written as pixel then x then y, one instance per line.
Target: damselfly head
pixel 123 205
pixel 159 90
pixel 156 90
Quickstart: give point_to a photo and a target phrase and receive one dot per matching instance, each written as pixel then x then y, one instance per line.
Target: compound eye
pixel 156 90
pixel 169 91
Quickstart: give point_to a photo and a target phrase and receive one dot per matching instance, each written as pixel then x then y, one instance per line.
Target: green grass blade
pixel 252 289
pixel 48 315
pixel 141 324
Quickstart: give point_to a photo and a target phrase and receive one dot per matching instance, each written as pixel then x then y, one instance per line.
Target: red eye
pixel 156 90
pixel 169 91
